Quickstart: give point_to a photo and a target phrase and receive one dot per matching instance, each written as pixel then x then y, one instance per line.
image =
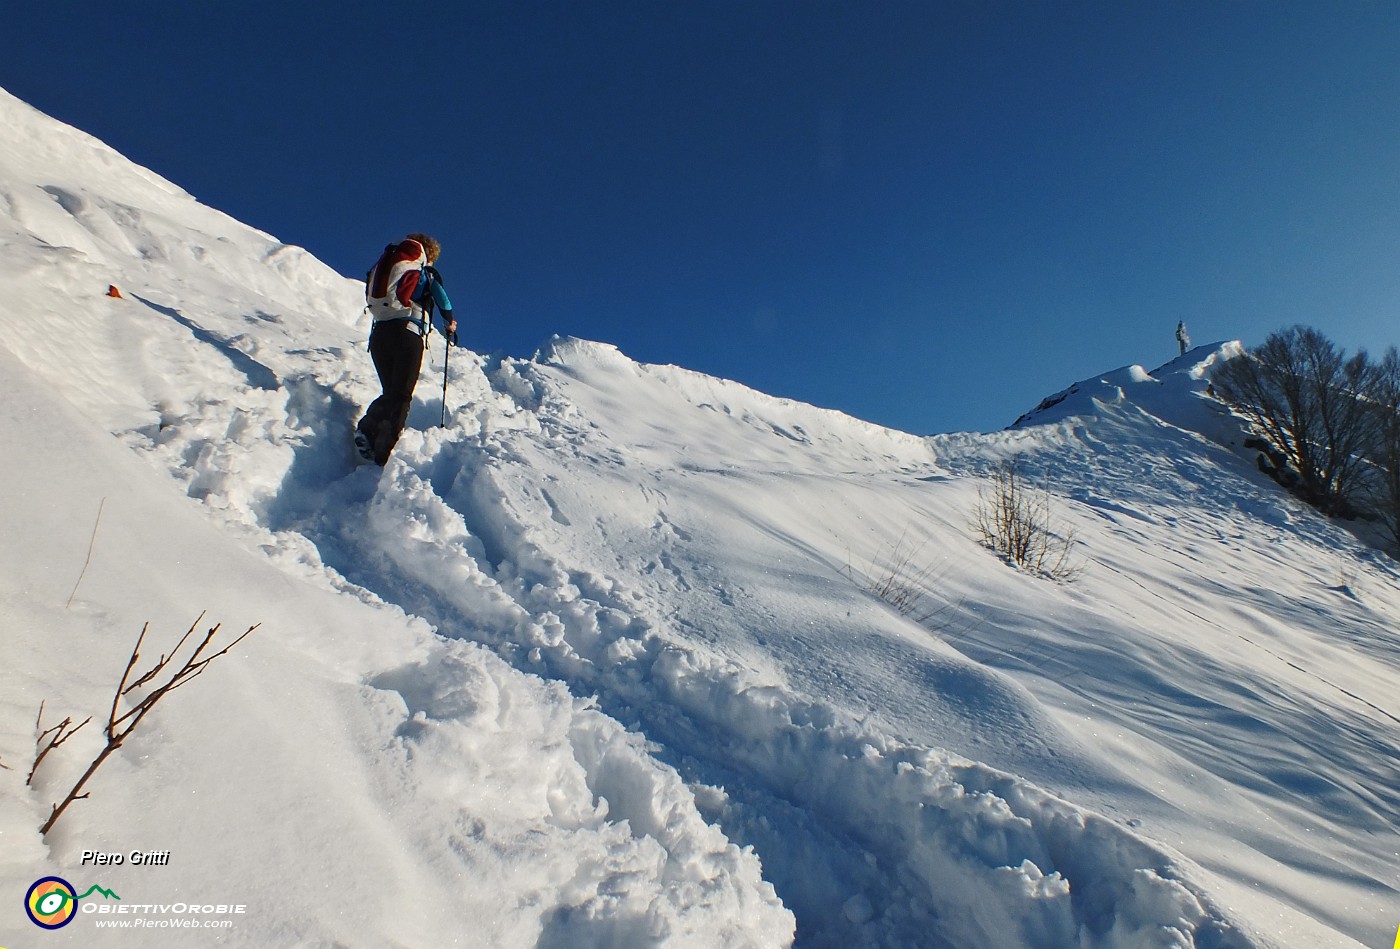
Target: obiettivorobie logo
pixel 52 902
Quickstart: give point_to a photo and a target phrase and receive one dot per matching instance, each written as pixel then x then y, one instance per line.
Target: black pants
pixel 397 351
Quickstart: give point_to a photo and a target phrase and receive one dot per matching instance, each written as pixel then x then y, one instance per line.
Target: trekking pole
pixel 428 305
pixel 446 351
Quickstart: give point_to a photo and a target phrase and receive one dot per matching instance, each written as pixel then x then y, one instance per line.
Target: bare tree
pixel 1384 453
pixel 1307 399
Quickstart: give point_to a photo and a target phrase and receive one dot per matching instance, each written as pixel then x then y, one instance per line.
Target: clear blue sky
pixel 927 214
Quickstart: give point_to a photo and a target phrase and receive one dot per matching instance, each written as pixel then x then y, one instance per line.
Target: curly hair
pixel 430 246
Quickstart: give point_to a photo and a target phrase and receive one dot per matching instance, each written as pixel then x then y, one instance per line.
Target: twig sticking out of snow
pixel 92 541
pixel 56 736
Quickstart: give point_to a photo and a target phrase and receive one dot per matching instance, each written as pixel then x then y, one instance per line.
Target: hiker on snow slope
pixel 400 293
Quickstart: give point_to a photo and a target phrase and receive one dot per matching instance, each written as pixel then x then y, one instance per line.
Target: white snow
pixel 597 664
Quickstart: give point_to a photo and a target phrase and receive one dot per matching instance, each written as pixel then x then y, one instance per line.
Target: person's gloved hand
pixel 451 331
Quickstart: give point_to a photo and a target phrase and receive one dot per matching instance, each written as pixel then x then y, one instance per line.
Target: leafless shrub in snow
pixel 1015 520
pixel 898 578
pixel 904 578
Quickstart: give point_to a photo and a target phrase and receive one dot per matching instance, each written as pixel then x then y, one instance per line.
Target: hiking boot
pixel 363 448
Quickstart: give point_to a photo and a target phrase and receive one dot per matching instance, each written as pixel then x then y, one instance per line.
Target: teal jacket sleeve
pixel 444 304
pixel 432 285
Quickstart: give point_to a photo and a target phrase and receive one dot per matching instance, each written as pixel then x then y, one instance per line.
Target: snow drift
pixel 598 663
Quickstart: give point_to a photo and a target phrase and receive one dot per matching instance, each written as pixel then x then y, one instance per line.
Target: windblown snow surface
pixel 599 664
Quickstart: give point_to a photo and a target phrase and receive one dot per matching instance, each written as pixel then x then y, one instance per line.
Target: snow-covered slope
pixel 598 664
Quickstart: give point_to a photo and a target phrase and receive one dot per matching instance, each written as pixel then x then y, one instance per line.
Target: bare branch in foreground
pixel 120 726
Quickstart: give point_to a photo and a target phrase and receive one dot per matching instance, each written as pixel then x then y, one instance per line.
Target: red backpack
pixel 390 283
